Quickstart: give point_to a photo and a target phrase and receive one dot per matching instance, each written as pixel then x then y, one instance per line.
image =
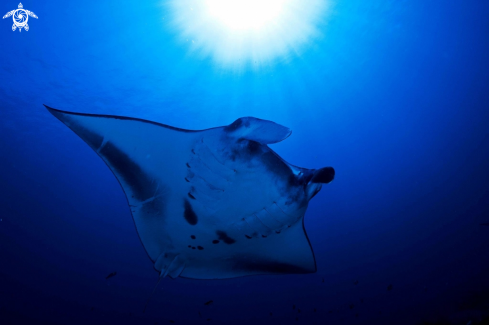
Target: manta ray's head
pixel 316 179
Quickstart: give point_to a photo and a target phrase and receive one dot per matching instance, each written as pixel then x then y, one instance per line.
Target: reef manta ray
pixel 210 204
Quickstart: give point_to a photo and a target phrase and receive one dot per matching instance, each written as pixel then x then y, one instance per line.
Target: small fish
pixel 293 306
pixel 208 303
pixel 485 224
pixel 323 280
pixel 315 310
pixel 355 282
pixel 208 319
pixel 389 287
pixel 352 306
pixel 271 314
pixel 172 321
pixel 298 310
pixel 200 315
pixel 110 275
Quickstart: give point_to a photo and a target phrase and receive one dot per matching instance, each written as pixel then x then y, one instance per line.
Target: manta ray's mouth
pixel 324 175
pixel 312 189
pixel 321 176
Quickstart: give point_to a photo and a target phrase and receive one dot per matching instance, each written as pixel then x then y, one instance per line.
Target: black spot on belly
pixel 200 248
pixel 189 246
pixel 191 196
pixel 193 237
pixel 249 237
pixel 215 241
pixel 253 147
pixel 140 183
pixel 189 213
pixel 193 247
pixel 224 237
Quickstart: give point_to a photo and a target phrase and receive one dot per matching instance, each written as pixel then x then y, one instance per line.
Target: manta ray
pixel 208 204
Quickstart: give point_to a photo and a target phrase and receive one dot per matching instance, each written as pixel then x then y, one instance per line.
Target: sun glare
pixel 247 33
pixel 245 14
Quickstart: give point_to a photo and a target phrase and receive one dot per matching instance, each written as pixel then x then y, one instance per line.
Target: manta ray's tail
pixel 151 294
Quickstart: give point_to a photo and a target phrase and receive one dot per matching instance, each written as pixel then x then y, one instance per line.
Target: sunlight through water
pixel 247 33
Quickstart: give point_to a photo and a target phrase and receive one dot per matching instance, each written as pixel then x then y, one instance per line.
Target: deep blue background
pixel 395 96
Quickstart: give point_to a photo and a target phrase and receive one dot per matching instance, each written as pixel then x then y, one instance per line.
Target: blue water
pixel 394 95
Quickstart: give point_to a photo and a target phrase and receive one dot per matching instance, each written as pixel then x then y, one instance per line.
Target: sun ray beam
pixel 247 33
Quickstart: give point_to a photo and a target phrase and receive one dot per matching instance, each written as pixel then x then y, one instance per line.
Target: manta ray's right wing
pixel 8 14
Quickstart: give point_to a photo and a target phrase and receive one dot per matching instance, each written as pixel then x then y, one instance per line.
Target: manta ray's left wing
pixel 148 159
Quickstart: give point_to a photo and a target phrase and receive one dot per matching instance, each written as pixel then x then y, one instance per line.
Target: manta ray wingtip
pixel 59 114
pixel 48 107
pixel 51 109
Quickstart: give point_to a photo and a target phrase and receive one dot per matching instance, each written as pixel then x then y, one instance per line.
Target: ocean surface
pixel 393 94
